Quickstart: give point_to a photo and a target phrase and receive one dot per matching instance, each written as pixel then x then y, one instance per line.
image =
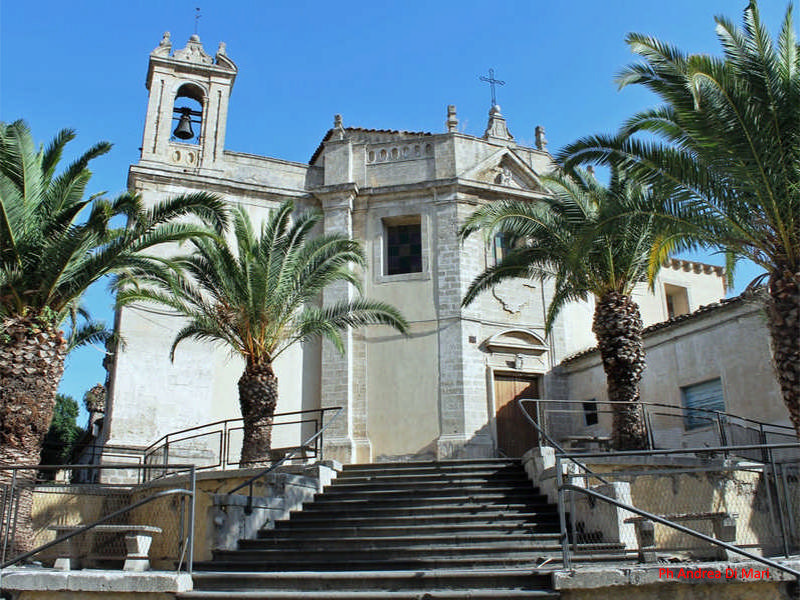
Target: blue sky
pixel 393 65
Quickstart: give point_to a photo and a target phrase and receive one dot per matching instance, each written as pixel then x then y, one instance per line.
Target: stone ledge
pixel 23 579
pixel 587 578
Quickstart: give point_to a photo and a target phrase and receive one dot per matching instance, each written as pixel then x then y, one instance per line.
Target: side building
pixel 715 358
pixel 445 390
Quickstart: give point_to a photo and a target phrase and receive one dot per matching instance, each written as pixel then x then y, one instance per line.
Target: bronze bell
pixel 184 129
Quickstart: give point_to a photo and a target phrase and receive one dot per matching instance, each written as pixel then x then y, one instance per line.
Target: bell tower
pixel 188 105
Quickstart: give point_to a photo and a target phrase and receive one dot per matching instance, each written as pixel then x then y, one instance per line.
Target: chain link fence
pixel 50 518
pixel 750 504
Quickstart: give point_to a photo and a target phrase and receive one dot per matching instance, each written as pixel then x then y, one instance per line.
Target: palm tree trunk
pixel 618 327
pixel 783 317
pixel 258 397
pixel 31 365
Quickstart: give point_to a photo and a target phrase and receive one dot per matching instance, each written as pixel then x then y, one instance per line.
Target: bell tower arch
pixel 187 107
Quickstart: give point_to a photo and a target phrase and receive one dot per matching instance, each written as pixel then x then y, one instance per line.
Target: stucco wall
pixel 153 396
pixel 730 342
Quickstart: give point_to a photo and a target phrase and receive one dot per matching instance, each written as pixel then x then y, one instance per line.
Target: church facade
pixel 445 390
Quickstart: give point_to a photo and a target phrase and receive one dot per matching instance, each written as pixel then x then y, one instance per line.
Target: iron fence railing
pixel 733 505
pixel 57 522
pixel 217 445
pixel 315 439
pixel 586 426
pixel 742 504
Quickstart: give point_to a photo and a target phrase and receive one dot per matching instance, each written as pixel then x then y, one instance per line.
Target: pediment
pixel 505 168
pixel 516 341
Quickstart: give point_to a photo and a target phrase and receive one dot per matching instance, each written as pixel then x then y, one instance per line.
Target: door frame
pixel 490 384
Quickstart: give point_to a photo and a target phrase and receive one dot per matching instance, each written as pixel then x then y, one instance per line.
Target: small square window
pixel 677 298
pixel 403 248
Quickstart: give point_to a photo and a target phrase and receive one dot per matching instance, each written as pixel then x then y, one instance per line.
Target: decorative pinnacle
pixel 541 141
pixel 452 120
pixel 338 127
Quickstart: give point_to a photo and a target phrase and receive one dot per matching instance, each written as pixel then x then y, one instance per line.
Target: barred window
pixel 403 248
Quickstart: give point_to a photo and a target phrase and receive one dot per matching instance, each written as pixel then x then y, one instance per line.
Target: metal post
pixel 778 499
pixel 647 423
pixel 765 454
pixel 538 420
pixel 182 540
pixel 166 456
pixel 223 464
pixel 190 543
pixel 321 435
pixel 562 518
pixel 572 512
pixel 723 439
pixel 789 506
pixel 7 519
pixel 16 514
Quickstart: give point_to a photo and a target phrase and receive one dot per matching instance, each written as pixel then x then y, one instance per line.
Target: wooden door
pixel 515 434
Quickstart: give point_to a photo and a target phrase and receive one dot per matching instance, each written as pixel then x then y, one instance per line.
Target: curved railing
pixel 543 434
pixel 209 446
pixel 717 428
pixel 288 456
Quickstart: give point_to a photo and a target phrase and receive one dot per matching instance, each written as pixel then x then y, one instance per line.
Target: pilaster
pixel 346 440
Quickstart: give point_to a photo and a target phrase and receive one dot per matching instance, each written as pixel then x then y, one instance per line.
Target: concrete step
pixel 339 501
pixel 355 530
pixel 531 560
pixel 387 580
pixel 424 483
pixel 472 594
pixel 333 493
pixel 252 550
pixel 437 517
pixel 473 529
pixel 366 585
pixel 377 512
pixel 428 470
pixel 443 465
pixel 290 542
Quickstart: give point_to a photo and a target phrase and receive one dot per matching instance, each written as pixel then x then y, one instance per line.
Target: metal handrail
pixel 223 429
pixel 563 487
pixel 121 511
pixel 553 443
pixel 716 413
pixel 224 421
pixel 287 456
pixel 681 528
pixel 704 449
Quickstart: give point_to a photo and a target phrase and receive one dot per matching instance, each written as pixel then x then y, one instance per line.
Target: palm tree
pixel 258 297
pixel 582 239
pixel 54 244
pixel 725 148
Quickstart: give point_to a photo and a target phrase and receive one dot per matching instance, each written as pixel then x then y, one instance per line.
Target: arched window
pixel 187 114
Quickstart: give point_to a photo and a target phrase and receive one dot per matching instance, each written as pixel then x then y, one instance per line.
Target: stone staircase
pixel 456 529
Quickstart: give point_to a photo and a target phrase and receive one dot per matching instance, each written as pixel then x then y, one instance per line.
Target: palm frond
pixel 256 294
